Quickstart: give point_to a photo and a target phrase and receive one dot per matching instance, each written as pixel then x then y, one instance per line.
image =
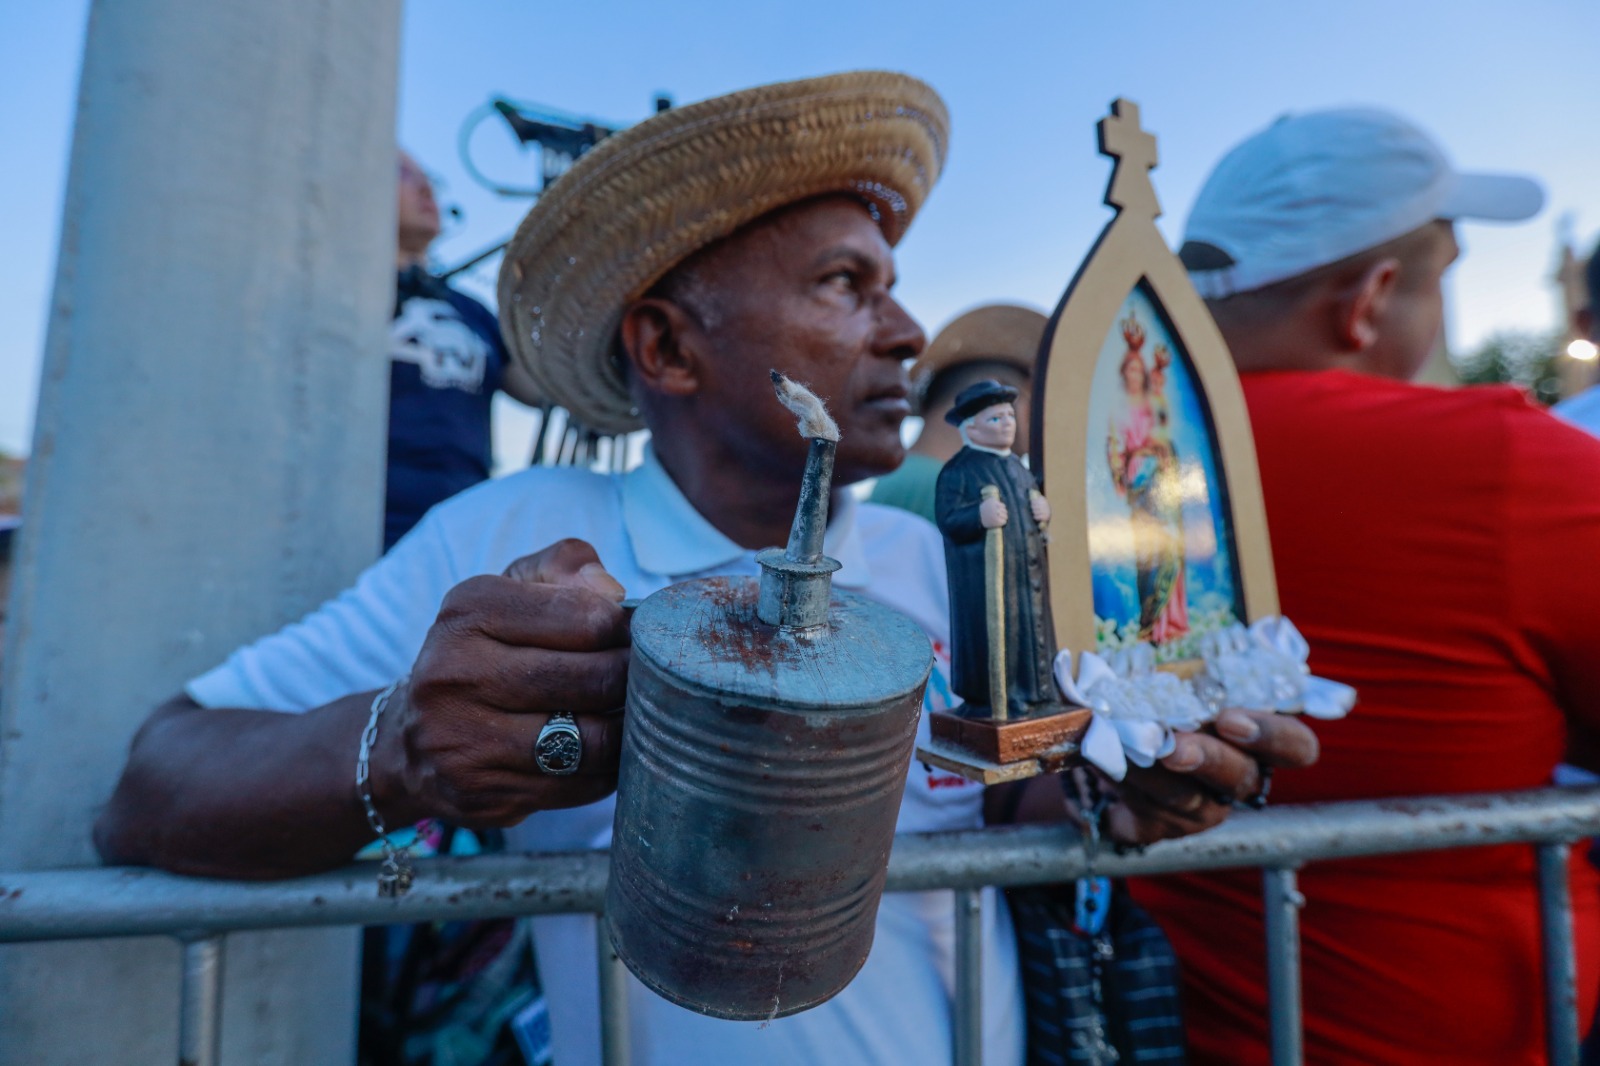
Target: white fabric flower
pixel 1138 708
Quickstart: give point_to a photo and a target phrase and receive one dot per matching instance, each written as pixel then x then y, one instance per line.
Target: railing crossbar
pixel 96 903
pixel 101 902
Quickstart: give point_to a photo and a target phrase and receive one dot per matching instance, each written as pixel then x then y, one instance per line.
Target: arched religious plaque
pixel 1163 537
pixel 1158 558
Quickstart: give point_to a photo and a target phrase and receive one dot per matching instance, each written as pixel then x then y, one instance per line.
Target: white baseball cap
pixel 1313 189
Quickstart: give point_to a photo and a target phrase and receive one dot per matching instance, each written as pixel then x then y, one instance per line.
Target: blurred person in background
pixel 996 341
pixel 1434 546
pixel 10 524
pixel 446 363
pixel 8 535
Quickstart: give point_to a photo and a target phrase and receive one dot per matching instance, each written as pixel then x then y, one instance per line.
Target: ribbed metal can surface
pixel 762 770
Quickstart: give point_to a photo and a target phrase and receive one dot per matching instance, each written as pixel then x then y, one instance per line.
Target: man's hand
pixel 505 654
pixel 992 514
pixel 1041 508
pixel 1194 788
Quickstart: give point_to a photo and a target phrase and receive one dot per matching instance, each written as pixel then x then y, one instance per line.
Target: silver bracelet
pixel 395 874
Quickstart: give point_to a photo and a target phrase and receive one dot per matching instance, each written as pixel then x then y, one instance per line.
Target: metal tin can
pixel 762 770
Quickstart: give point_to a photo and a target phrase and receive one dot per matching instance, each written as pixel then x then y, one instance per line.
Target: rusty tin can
pixel 762 770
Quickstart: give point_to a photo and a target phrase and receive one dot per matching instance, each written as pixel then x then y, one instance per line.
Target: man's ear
pixel 1359 313
pixel 660 341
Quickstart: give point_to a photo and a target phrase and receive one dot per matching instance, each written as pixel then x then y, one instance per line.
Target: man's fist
pixel 505 655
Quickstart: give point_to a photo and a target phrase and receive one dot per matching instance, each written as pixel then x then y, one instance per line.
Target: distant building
pixel 1571 297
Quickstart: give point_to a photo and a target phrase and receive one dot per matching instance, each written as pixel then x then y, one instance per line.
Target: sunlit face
pixel 994 427
pixel 805 291
pixel 419 214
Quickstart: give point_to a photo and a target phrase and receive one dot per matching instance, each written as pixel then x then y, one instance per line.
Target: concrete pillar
pixel 207 464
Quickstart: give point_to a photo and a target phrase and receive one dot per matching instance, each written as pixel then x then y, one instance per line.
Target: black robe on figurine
pixel 1030 636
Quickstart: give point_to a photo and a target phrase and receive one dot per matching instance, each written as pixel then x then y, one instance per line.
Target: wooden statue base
pixel 982 749
pixel 1015 738
pixel 975 768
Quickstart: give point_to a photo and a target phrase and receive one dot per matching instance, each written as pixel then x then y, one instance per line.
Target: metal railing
pixel 95 903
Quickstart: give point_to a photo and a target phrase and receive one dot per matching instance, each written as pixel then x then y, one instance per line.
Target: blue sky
pixel 1505 86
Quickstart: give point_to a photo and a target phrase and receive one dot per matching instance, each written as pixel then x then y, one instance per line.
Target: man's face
pixel 805 291
pixel 994 427
pixel 419 214
pixel 1410 324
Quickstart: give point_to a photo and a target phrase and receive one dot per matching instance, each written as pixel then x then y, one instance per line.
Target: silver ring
pixel 1259 800
pixel 559 748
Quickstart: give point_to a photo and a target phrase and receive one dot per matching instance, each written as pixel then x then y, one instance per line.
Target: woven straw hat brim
pixel 650 196
pixel 1001 333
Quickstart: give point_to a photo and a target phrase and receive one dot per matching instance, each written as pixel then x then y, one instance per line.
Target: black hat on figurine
pixel 977 397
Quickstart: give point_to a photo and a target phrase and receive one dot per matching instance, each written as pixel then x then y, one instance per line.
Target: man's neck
pixel 408 258
pixel 753 512
pixel 1285 344
pixel 1249 360
pixel 1304 340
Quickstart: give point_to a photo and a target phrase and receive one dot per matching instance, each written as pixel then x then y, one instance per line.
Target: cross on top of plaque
pixel 1122 139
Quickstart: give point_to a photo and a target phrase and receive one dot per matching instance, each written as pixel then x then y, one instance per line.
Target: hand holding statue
pixel 1198 784
pixel 992 514
pixel 1194 788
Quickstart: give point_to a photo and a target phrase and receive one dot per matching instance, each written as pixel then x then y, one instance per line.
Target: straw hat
pixel 1000 333
pixel 650 196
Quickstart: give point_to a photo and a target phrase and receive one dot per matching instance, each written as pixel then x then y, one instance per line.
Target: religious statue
pixel 986 499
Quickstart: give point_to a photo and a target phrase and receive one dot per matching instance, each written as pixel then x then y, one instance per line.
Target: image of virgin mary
pixel 1144 471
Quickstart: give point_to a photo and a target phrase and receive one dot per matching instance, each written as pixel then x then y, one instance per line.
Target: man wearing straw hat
pixel 655 284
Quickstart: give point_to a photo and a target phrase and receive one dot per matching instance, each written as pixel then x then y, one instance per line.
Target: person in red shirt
pixel 1436 547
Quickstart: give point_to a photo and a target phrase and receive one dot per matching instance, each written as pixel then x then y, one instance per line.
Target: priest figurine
pixel 1015 590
